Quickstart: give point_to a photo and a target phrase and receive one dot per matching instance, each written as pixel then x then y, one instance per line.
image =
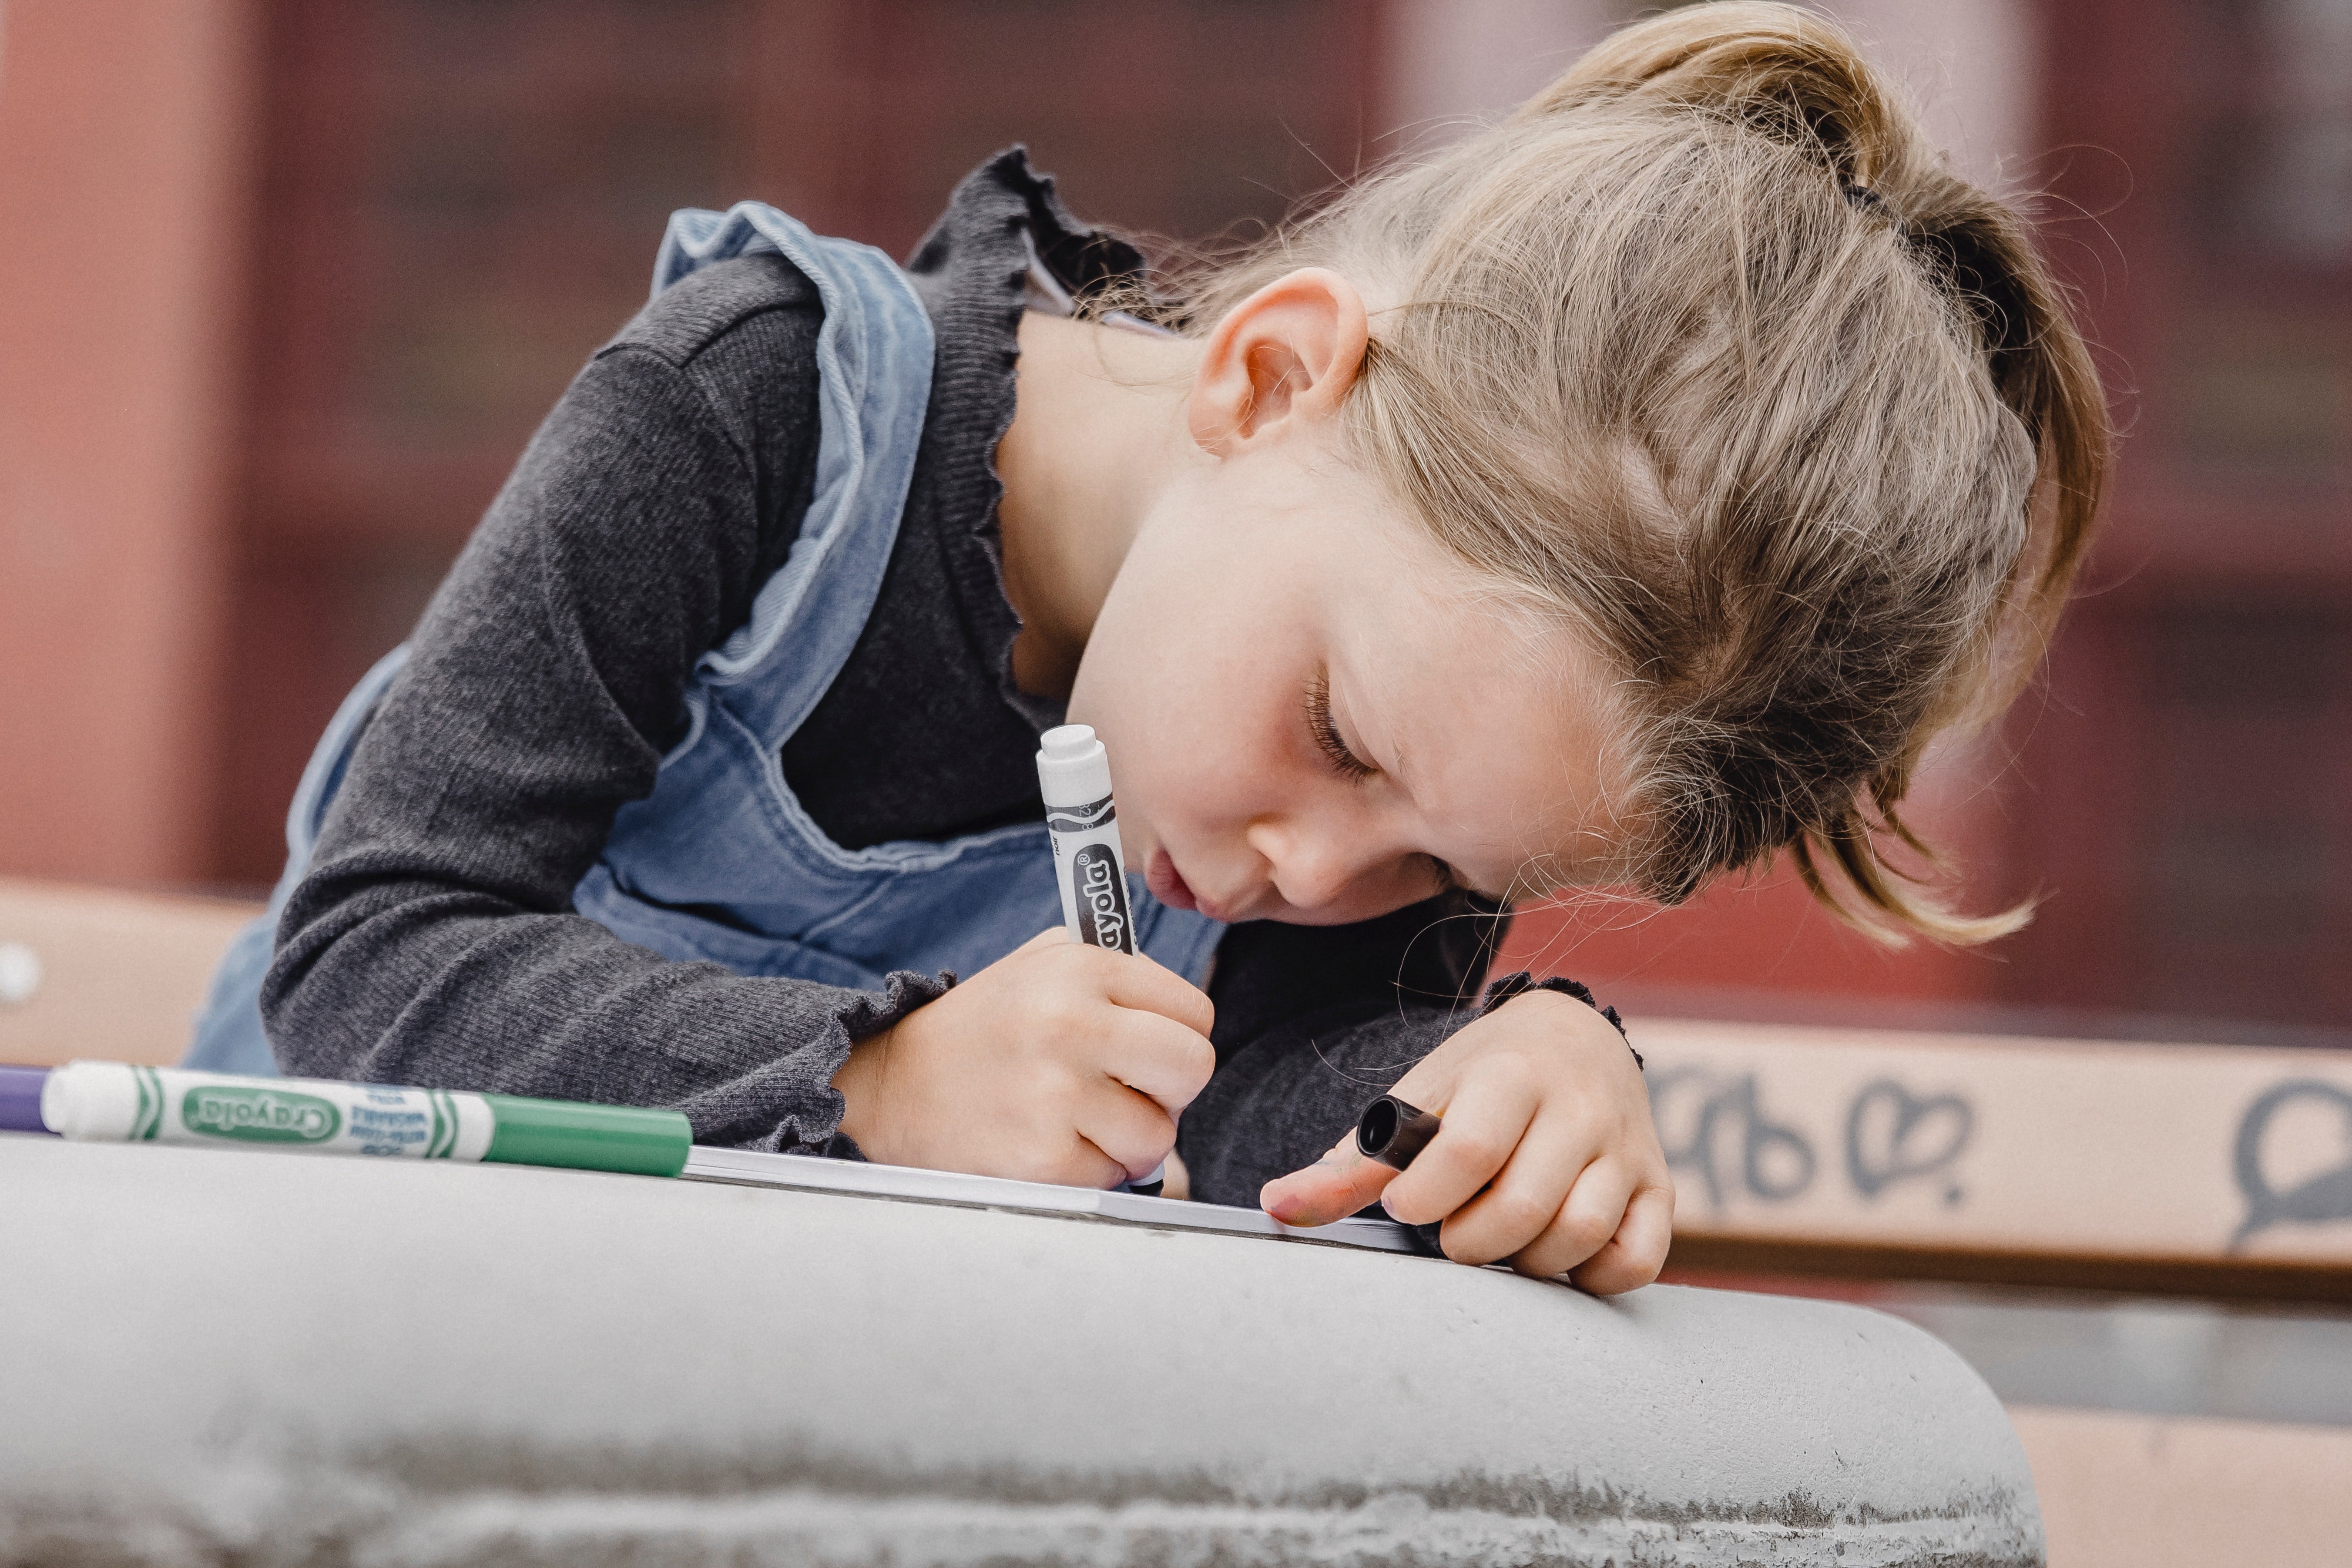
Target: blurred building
pixel 2192 769
pixel 461 200
pixel 290 282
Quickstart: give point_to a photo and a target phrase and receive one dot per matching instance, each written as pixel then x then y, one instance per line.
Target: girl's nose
pixel 1313 864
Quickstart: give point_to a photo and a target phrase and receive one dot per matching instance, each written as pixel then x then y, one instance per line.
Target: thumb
pixel 1332 1188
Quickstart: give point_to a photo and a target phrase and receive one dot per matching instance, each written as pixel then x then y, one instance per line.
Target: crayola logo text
pixel 1102 897
pixel 259 1115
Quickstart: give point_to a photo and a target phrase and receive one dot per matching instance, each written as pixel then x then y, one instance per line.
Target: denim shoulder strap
pixel 874 372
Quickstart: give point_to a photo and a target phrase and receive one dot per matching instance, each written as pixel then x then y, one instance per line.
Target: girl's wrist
pixel 858 1080
pixel 1521 983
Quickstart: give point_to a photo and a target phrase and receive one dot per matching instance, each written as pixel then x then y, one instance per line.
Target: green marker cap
pixel 588 1137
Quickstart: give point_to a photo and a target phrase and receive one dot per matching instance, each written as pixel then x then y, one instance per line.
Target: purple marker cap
pixel 20 1099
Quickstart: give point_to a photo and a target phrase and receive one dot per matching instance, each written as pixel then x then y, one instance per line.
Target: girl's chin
pixel 1167 884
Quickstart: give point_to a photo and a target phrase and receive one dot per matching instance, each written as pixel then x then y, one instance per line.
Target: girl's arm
pixel 433 940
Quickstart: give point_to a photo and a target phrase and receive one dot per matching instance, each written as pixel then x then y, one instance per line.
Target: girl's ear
pixel 1286 355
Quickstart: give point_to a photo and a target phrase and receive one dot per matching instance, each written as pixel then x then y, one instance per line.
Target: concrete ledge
pixel 233 1356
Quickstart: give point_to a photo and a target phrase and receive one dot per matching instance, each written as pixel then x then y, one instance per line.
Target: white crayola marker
pixel 1074 774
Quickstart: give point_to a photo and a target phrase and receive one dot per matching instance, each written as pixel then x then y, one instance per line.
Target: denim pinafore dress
pixel 721 862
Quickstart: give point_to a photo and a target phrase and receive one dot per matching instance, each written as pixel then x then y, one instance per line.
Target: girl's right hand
pixel 1060 1062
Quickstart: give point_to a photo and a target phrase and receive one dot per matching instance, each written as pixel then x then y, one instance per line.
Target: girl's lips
pixel 1167 884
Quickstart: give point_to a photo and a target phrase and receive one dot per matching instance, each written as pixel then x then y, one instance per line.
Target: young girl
pixel 1621 495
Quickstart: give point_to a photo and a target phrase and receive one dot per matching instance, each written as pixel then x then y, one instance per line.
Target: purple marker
pixel 20 1099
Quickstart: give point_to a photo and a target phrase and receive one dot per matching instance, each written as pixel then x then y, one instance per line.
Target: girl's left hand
pixel 1548 1156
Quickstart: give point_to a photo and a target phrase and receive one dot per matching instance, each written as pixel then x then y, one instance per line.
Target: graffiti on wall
pixel 2317 1198
pixel 1720 1135
pixel 2275 1153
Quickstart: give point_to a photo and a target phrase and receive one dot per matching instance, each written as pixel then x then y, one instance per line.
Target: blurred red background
pixel 288 283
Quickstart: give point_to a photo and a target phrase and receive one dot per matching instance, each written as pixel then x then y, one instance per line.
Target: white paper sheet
pixel 808 1173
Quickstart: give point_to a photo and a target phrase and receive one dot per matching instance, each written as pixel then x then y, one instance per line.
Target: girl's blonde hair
pixel 1706 347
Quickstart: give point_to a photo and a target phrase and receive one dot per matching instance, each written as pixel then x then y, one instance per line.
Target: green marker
pixel 109 1102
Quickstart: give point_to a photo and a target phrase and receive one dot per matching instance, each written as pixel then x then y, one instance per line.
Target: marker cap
pixel 1393 1131
pixel 588 1137
pixel 1073 767
pixel 20 1099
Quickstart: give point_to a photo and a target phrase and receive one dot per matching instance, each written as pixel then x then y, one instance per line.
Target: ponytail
pixel 1797 79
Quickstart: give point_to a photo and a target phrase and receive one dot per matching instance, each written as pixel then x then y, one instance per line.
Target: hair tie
pixel 1864 199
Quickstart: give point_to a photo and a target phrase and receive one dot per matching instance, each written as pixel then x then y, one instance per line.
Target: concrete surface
pixel 231 1357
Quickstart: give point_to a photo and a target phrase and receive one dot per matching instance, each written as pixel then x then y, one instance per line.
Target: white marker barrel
pixel 1073 773
pixel 1090 867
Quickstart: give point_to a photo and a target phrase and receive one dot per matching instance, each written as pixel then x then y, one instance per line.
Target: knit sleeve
pixel 433 940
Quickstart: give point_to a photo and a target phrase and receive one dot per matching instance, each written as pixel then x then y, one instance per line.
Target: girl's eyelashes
pixel 1326 730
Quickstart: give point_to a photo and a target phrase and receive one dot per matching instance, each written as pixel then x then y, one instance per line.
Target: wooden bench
pixel 2218 1171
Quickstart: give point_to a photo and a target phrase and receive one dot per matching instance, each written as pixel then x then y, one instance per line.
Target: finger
pixel 1081 1165
pixel 1583 1225
pixel 1133 1132
pixel 1526 1200
pixel 1051 936
pixel 1631 1257
pixel 1155 1057
pixel 1331 1189
pixel 1484 1125
pixel 1134 981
